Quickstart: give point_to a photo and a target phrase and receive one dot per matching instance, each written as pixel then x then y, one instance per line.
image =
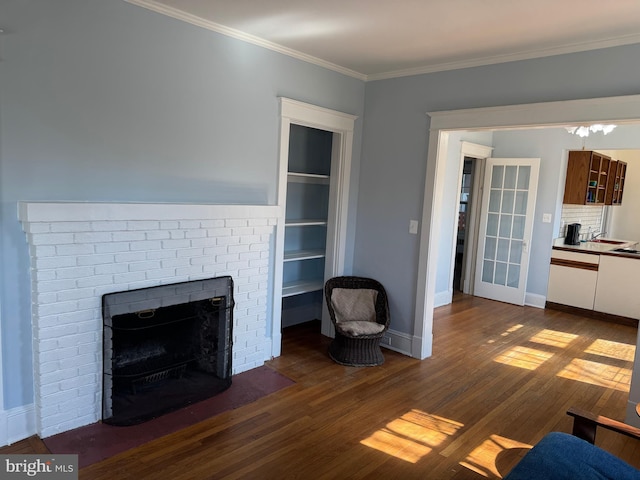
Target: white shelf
pixel 300 287
pixel 303 255
pixel 297 177
pixel 305 222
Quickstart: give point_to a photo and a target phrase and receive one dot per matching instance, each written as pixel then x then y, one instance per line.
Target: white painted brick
pixel 51 238
pixel 235 222
pixel 78 339
pixel 259 247
pixel 161 254
pixel 239 265
pixel 208 260
pixel 43 275
pixel 146 245
pixel 218 232
pixel 113 247
pixel 88 348
pixel 161 273
pixel 38 228
pixel 176 234
pixel 90 303
pixel 108 226
pixel 42 251
pixel 58 354
pixel 77 361
pixel 263 231
pixel 190 252
pixel 128 257
pixel 45 263
pixel 242 248
pixel 242 231
pixel 111 269
pixel 215 250
pixel 70 227
pixel 92 237
pixel 248 272
pixel 192 273
pixel 45 345
pixel 227 240
pixel 78 317
pixel 143 225
pixel 75 272
pixel 212 223
pixel 75 249
pixel 189 224
pixel 158 235
pixel 57 308
pixel 249 255
pixel 257 222
pixel 200 233
pixel 76 294
pixel 96 259
pixel 54 286
pixel 143 266
pixel 169 225
pixel 204 242
pixel 175 262
pixel 260 262
pixel 226 258
pixel 95 281
pixel 77 382
pixel 180 243
pixel 128 278
pixel 128 236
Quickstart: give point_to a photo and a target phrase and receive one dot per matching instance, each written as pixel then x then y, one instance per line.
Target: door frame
pixel 342 126
pixel 623 109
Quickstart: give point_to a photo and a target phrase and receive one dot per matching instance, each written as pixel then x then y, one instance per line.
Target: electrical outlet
pixel 413 227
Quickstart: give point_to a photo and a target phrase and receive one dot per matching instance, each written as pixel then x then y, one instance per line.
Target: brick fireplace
pixel 81 251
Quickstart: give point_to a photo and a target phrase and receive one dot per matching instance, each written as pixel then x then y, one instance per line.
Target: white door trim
pixel 342 126
pixel 624 109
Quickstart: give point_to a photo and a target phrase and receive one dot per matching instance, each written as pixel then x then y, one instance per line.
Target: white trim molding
pixel 17 424
pixel 618 110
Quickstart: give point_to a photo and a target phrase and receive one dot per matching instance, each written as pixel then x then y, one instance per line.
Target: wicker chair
pixel 360 314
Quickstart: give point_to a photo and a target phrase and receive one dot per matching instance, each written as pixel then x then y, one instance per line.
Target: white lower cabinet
pixel 573 278
pixel 618 289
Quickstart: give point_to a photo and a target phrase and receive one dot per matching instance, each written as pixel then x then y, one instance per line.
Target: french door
pixel 506 225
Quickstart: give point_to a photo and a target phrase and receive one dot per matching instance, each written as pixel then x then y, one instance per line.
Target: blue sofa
pixel 561 456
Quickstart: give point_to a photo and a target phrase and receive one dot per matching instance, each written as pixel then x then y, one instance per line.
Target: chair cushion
pixel 560 456
pixel 354 304
pixel 357 328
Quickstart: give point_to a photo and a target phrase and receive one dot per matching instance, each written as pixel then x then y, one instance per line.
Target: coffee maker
pixel 573 234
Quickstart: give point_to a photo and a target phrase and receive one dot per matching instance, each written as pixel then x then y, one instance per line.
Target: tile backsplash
pixel 589 216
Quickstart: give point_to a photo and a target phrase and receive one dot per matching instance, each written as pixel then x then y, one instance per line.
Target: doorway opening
pixel 465 208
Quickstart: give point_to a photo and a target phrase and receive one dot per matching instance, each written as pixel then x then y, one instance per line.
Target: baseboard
pixel 442 298
pixel 397 341
pixel 17 424
pixel 534 300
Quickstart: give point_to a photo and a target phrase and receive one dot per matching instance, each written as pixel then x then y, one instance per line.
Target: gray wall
pixel 395 146
pixel 104 101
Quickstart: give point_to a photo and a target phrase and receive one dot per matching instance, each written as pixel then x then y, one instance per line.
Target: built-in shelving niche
pixel 307 213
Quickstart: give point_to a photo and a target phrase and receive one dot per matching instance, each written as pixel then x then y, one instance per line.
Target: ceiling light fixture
pixel 583 131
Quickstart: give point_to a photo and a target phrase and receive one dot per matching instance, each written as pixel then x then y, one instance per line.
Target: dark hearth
pixel 165 347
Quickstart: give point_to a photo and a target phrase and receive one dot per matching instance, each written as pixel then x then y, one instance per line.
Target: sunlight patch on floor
pixel 599 374
pixel 483 460
pixel 524 357
pixel 413 435
pixel 553 338
pixel 608 348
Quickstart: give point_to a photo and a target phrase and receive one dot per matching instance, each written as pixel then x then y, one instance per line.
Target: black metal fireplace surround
pixel 165 347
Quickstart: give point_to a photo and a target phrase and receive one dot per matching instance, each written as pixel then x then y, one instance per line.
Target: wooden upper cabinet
pixel 618 183
pixel 588 178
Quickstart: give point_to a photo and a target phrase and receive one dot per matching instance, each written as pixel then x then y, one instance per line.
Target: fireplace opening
pixel 165 348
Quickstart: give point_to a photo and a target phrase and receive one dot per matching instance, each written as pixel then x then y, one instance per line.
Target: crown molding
pixel 245 37
pixel 511 57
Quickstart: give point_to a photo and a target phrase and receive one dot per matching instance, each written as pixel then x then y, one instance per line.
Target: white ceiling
pixel 375 39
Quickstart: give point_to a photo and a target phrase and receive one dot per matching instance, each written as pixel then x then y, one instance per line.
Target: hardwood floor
pixel 499 379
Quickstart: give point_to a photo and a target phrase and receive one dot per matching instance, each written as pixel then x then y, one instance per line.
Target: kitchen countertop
pixel 596 248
